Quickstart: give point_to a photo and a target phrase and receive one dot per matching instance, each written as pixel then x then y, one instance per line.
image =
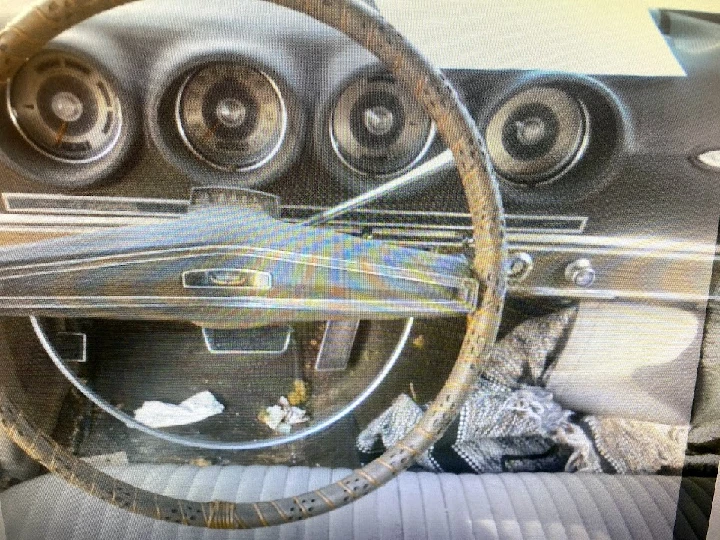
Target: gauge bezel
pixel 370 78
pixel 329 154
pixel 595 165
pixel 198 154
pixel 11 111
pixel 35 165
pixel 562 166
pixel 170 74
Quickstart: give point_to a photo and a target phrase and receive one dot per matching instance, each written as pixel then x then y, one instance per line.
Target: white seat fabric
pixel 413 507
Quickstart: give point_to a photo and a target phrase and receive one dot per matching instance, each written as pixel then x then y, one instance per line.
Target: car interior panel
pixel 356 269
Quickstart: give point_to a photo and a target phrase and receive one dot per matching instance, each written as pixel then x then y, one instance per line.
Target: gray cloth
pixel 634 446
pixel 414 506
pixel 499 430
pixel 521 357
pixel 508 424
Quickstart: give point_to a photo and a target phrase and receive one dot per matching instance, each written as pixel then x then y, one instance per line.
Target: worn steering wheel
pixel 28 33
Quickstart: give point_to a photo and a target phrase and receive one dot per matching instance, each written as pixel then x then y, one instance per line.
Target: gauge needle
pixel 61 133
pixel 210 132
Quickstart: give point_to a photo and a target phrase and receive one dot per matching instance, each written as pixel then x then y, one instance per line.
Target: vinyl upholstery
pixel 414 506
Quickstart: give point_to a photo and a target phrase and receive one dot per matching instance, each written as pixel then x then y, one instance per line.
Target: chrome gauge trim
pixel 334 143
pixel 189 145
pixel 421 155
pixel 541 95
pixel 118 109
pixel 130 422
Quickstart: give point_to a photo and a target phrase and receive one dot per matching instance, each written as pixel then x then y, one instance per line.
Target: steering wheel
pixel 26 36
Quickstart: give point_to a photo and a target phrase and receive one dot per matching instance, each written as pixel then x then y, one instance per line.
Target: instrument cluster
pixel 221 118
pixel 225 118
pixel 298 110
pixel 295 109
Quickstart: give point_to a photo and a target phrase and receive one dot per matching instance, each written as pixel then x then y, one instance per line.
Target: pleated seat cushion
pixel 415 506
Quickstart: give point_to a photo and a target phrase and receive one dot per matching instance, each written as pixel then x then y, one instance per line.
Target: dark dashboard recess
pixel 635 176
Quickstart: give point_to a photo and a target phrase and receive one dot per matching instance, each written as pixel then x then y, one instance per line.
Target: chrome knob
pixel 580 273
pixel 518 266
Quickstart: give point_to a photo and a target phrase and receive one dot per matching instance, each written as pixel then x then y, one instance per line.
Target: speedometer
pixel 232 116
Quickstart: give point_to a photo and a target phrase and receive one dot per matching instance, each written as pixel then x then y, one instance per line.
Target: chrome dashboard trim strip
pixel 43 203
pixel 40 204
pixel 626 265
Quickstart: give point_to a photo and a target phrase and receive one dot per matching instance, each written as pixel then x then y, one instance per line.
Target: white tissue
pixel 283 416
pixel 156 414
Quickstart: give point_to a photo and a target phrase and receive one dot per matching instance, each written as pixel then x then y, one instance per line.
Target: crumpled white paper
pixel 283 416
pixel 157 414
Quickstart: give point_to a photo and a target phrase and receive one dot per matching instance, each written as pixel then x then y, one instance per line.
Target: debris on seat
pixel 157 414
pixel 510 423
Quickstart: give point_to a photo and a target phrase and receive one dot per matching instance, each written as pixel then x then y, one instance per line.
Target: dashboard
pixel 603 177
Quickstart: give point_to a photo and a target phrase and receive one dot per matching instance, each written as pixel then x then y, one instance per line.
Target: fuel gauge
pixel 65 108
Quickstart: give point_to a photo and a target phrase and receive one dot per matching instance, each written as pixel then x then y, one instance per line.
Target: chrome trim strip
pixel 65 304
pixel 83 221
pixel 63 204
pixel 608 294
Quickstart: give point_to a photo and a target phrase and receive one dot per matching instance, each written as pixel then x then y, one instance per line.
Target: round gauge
pixel 376 128
pixel 232 116
pixel 65 108
pixel 537 134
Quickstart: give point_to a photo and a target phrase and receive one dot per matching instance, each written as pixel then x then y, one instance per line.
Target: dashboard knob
pixel 519 265
pixel 580 273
